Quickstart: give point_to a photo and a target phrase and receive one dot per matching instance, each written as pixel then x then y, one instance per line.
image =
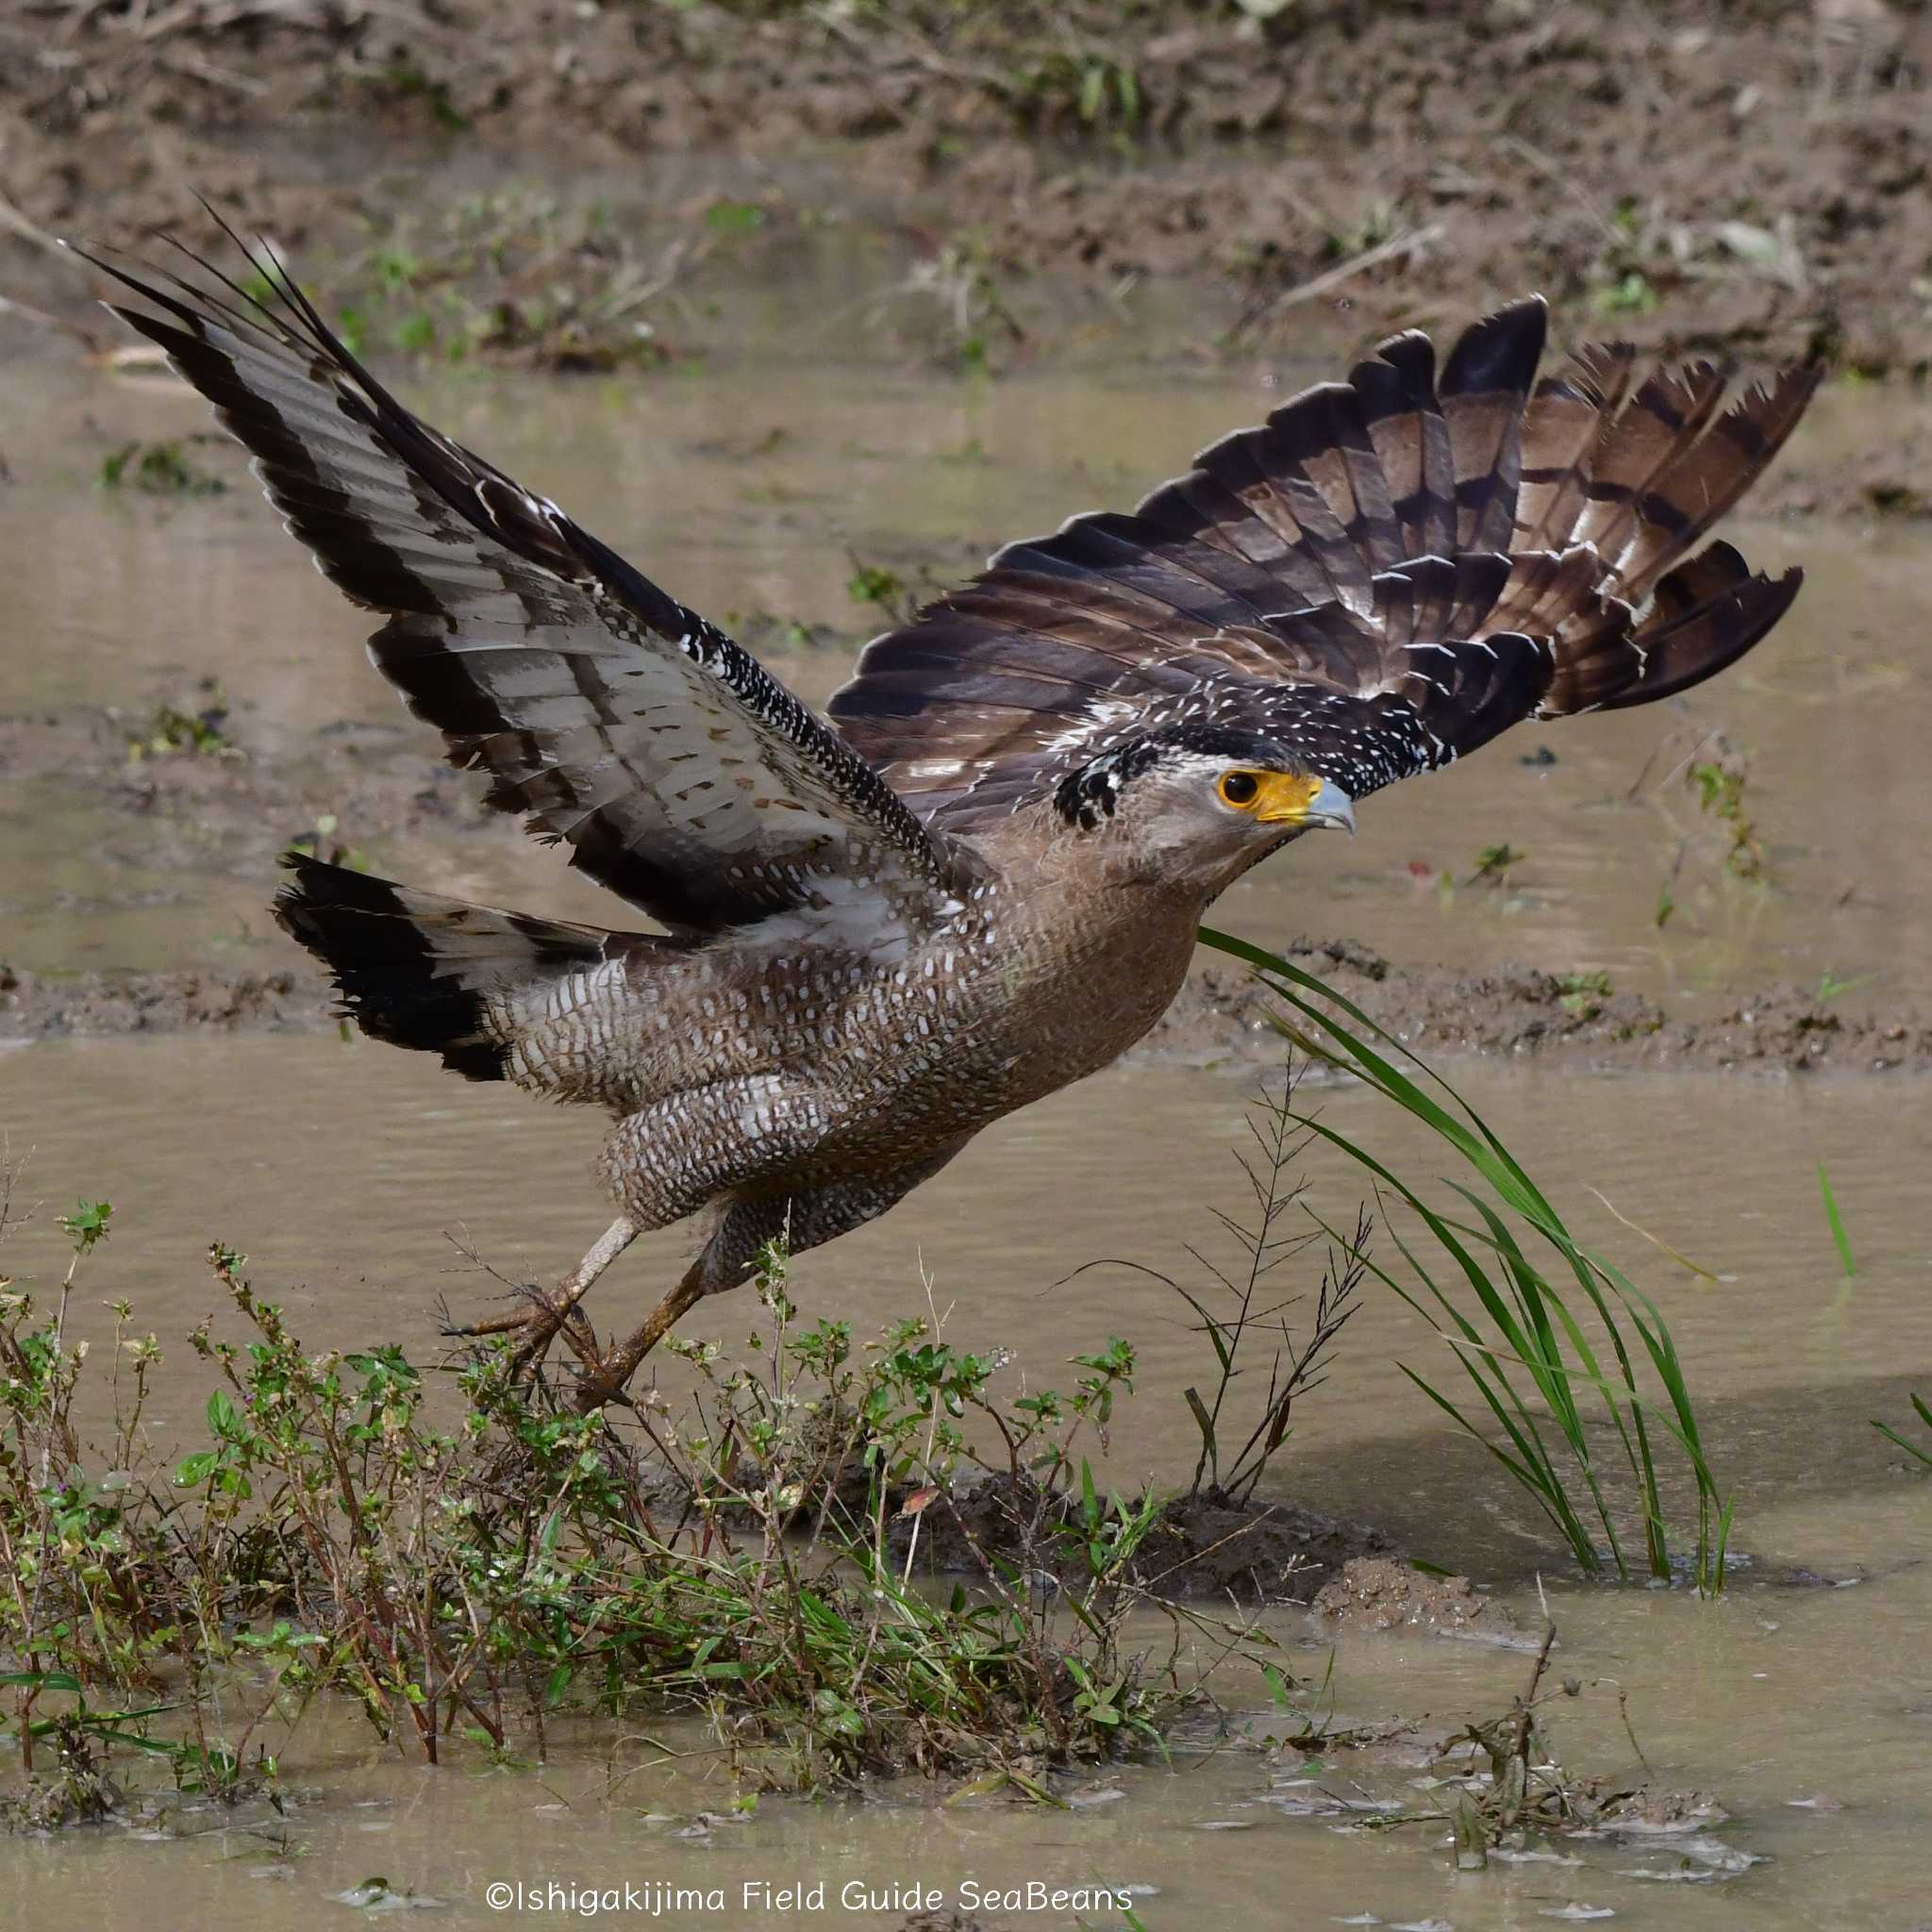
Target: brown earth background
pixel 1751 177
pixel 1752 180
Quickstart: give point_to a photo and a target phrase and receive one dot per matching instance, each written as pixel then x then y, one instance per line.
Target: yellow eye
pixel 1240 790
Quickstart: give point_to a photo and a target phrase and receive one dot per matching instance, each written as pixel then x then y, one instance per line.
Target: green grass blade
pixel 1525 1323
pixel 1836 1221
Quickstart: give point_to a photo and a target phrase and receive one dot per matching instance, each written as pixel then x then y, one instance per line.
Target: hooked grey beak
pixel 1332 805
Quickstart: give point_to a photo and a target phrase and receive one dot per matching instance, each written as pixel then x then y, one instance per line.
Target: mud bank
pixel 1748 176
pixel 1221 1018
pixel 1523 1012
pixel 194 800
pixel 1202 1545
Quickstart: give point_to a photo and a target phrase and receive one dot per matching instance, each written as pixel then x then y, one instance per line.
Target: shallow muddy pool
pixel 1804 1709
pixel 341 1169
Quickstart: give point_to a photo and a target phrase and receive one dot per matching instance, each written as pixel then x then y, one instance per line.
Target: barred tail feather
pixel 418 970
pixel 1704 615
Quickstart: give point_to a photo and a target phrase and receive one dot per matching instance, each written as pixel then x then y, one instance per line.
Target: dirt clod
pixel 1380 1593
pixel 1522 1012
pixel 1200 1545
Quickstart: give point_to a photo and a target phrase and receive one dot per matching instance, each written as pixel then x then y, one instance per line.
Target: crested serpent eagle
pixel 979 877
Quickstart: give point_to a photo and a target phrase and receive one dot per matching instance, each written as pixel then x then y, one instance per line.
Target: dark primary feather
pixel 1382 575
pixel 682 776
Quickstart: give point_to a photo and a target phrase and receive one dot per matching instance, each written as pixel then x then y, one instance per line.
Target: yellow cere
pixel 1273 797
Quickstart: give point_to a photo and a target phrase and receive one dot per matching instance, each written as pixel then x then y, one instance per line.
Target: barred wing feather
pixel 684 777
pixel 1384 574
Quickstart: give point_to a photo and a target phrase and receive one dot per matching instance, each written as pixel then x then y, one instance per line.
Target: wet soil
pixel 1201 1545
pixel 1750 176
pixel 1376 1593
pixel 189 819
pixel 1223 1016
pixel 1886 482
pixel 1530 1014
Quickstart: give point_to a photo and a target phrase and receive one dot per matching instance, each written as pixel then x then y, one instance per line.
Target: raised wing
pixel 1384 574
pixel 682 776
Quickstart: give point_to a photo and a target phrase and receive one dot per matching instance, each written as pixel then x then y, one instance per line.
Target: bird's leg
pixel 730 1257
pixel 602 1381
pixel 555 1312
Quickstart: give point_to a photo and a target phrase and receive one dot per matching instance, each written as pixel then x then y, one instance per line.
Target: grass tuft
pixel 1921 1451
pixel 1485 1290
pixel 1836 1221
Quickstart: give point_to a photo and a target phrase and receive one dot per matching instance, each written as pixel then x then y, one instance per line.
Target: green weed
pixel 1631 294
pixel 1720 782
pixel 160 469
pixel 872 583
pixel 1836 1221
pixel 408 82
pixel 1085 87
pixel 1583 993
pixel 1241 1309
pixel 478 1575
pixel 734 217
pixel 172 732
pixel 512 276
pixel 1499 1308
pixel 1832 985
pixel 886 589
pixel 319 841
pixel 963 307
pixel 1492 865
pixel 1922 1452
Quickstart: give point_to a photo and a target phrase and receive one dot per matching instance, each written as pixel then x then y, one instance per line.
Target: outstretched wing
pixel 1383 576
pixel 683 776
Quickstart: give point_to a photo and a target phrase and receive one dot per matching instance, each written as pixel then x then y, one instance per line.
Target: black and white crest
pixel 1088 797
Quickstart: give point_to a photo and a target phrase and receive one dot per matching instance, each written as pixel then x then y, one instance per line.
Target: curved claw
pixel 604 1382
pixel 540 1322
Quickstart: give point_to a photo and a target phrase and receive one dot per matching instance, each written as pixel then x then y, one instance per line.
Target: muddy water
pixel 337 1167
pixel 747 488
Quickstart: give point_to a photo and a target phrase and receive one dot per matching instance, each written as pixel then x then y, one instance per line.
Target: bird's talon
pixel 540 1321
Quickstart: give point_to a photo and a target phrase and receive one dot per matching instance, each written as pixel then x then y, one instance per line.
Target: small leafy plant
pixel 172 732
pixel 1242 1308
pixel 160 469
pixel 471 1573
pixel 1719 783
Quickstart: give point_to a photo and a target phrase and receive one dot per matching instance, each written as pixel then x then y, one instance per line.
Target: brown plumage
pixel 1316 553
pixel 981 878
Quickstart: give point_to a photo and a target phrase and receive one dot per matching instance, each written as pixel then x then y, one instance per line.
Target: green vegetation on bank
pixel 470 1562
pixel 750 1560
